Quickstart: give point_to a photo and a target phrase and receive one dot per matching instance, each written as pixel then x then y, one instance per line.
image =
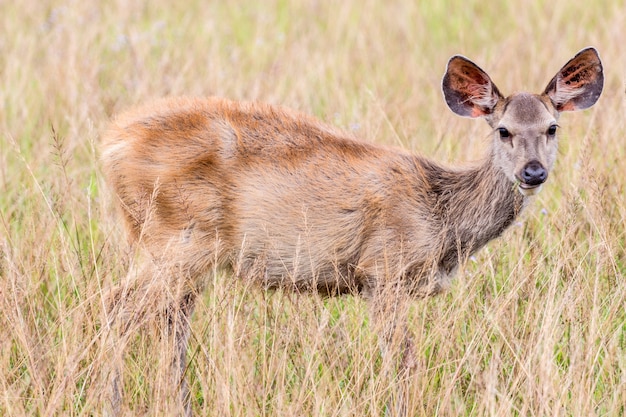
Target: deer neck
pixel 475 206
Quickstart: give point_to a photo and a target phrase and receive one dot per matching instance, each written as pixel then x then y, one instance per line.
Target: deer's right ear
pixel 468 90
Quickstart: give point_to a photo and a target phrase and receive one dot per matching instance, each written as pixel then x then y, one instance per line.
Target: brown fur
pixel 287 201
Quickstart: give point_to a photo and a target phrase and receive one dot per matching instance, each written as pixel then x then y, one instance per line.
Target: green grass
pixel 535 325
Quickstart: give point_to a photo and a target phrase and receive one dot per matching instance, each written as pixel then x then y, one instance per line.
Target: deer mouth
pixel 528 189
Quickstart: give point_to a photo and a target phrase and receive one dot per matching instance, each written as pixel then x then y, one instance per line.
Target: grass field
pixel 535 324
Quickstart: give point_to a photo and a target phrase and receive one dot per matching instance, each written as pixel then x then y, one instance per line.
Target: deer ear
pixel 578 84
pixel 468 90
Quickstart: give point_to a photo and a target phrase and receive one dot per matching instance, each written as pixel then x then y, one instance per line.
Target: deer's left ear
pixel 578 84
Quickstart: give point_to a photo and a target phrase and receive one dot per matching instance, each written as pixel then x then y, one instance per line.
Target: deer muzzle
pixel 532 177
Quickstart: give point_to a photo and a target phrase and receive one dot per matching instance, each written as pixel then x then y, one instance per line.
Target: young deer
pixel 286 201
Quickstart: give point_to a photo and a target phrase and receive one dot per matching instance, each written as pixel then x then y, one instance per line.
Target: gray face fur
pixel 525 143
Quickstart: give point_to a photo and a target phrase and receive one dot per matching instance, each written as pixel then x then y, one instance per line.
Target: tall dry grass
pixel 534 325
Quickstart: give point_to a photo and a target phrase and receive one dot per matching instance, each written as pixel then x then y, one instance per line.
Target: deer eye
pixel 504 133
pixel 552 130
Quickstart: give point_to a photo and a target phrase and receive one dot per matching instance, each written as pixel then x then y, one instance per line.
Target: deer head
pixel 524 124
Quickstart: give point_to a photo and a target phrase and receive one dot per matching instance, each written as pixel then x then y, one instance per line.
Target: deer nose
pixel 534 173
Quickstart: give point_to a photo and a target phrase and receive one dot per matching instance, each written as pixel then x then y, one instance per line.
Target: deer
pixel 283 200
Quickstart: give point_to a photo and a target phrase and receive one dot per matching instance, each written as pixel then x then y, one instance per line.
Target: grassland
pixel 535 324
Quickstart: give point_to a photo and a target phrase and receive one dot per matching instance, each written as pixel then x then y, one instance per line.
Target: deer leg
pixel 179 320
pixel 127 308
pixel 114 395
pixel 121 318
pixel 389 311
